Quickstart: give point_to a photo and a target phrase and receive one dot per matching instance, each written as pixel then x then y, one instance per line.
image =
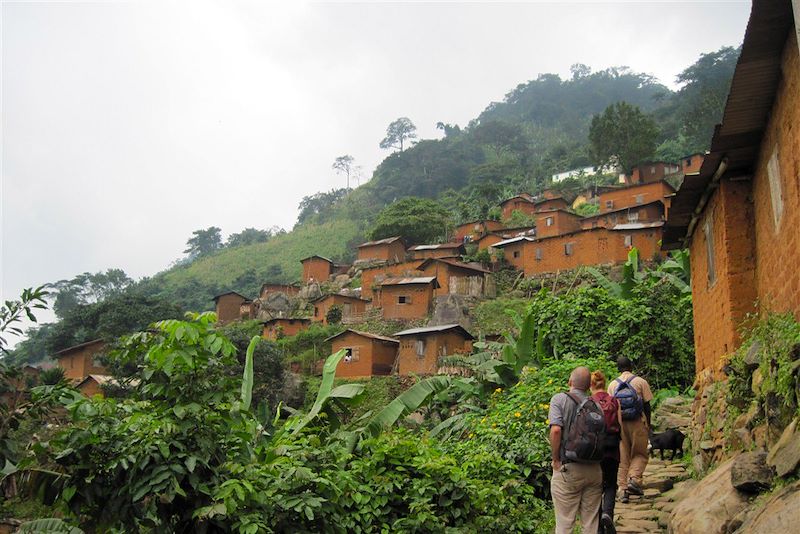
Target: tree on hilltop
pixel 398 132
pixel 248 236
pixel 622 134
pixel 204 242
pixel 344 165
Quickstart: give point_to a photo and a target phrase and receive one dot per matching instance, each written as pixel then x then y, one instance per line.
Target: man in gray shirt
pixel 577 488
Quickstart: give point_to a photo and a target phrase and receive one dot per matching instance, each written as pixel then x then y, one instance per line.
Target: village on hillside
pixel 429 287
pixel 474 408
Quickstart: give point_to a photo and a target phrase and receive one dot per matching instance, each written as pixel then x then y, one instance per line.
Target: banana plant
pixel 328 394
pixel 631 276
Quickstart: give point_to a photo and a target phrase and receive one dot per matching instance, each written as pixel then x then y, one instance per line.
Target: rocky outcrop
pixel 710 506
pixel 784 456
pixel 780 513
pixel 451 309
pixel 673 413
pixel 750 472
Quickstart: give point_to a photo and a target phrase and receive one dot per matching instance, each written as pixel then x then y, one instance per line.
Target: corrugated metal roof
pixel 230 293
pixel 461 265
pixel 364 334
pixel 437 247
pixel 637 225
pixel 330 295
pixel 400 281
pixel 524 196
pixel 513 240
pixel 77 347
pixel 385 241
pixel 276 319
pixel 425 330
pixel 738 139
pixel 318 257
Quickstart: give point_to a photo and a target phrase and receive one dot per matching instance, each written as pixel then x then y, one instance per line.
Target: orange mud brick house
pixel 550 202
pixel 444 250
pixel 691 164
pixel 651 171
pixel 82 360
pixel 740 215
pixel 391 249
pixel 522 203
pixel 232 306
pixel 473 231
pixel 407 298
pixel 596 246
pixel 367 354
pixel 317 269
pixel 489 239
pixel 93 384
pixel 352 307
pixel 635 195
pixel 651 212
pixel 280 327
pixel 371 277
pixel 458 278
pixel 287 289
pixel 556 221
pixel 422 348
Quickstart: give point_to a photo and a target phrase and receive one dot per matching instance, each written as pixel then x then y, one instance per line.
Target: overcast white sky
pixel 126 126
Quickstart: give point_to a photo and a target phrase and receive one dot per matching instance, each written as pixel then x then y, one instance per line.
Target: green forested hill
pixel 245 268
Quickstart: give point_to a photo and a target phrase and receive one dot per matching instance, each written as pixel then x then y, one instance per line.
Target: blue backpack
pixel 630 402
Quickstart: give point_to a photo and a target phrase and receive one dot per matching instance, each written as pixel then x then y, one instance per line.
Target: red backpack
pixel 610 407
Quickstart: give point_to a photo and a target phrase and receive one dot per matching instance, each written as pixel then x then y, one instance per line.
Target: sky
pixel 127 125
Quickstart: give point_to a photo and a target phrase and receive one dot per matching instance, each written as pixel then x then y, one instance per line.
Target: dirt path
pixel 665 481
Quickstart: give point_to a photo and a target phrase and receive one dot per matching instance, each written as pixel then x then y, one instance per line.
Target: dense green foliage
pixel 653 329
pixel 108 319
pixel 417 220
pixel 622 135
pixel 204 242
pixel 185 454
pixel 87 288
pixel 771 349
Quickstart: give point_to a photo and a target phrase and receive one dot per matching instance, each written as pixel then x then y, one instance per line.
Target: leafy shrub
pixel 184 455
pixel 653 329
pixel 775 340
pixel 334 314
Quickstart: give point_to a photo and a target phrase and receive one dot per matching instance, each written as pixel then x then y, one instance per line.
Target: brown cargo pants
pixel 632 452
pixel 577 491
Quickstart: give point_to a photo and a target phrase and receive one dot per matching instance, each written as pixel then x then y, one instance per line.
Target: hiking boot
pixel 607 524
pixel 634 488
pixel 624 499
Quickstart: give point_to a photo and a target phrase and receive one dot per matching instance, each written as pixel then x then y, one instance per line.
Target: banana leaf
pixel 325 389
pixel 407 402
pixel 247 377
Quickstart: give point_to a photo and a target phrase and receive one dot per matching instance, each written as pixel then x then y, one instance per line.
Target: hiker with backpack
pixel 634 396
pixel 577 435
pixel 610 463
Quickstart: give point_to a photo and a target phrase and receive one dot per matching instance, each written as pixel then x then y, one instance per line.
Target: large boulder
pixel 750 472
pixel 276 304
pixel 784 456
pixel 710 506
pixel 450 309
pixel 780 513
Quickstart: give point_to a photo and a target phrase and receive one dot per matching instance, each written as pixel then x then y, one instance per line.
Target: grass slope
pixel 244 269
